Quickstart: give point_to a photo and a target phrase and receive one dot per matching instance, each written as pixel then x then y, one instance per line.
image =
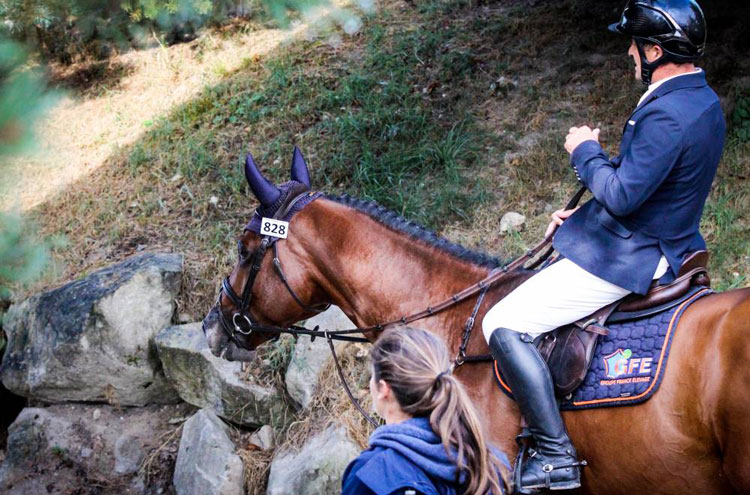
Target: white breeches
pixel 558 295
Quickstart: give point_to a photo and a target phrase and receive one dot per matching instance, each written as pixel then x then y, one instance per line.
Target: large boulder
pixel 309 357
pixel 206 462
pixel 92 339
pixel 316 469
pixel 213 383
pixel 73 448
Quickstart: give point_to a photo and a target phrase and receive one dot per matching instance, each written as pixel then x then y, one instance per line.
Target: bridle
pixel 242 321
pixel 241 316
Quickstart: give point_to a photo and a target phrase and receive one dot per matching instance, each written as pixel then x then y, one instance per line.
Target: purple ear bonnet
pixel 272 197
pixel 299 168
pixel 265 191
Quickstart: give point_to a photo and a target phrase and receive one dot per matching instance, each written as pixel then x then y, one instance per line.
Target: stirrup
pixel 523 448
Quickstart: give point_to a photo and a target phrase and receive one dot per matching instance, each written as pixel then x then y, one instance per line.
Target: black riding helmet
pixel 677 26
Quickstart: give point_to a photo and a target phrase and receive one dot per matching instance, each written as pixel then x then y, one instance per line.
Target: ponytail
pixel 416 365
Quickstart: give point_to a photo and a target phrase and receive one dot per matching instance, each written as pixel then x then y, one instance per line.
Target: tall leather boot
pixel 553 463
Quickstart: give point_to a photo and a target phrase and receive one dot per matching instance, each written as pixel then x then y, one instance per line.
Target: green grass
pixel 366 122
pixel 725 224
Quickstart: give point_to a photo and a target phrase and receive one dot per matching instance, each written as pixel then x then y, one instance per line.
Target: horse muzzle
pixel 220 343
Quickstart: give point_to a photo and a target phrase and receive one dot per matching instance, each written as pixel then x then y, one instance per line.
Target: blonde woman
pixel 432 442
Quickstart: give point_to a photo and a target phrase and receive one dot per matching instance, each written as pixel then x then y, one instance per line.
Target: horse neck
pixel 375 274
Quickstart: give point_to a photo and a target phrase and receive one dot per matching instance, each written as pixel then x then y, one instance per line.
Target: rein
pixel 242 304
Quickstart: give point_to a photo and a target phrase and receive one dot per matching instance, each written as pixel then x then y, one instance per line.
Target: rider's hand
pixel 558 218
pixel 577 135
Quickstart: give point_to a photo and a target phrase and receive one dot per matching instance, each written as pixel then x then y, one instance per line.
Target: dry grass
pixel 257 467
pixel 158 465
pixel 331 404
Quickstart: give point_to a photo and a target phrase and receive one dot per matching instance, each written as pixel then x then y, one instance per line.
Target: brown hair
pixel 416 365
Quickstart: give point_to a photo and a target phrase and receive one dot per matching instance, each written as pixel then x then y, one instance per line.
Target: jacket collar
pixel 692 80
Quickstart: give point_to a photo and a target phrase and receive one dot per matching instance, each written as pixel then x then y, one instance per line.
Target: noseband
pixel 242 321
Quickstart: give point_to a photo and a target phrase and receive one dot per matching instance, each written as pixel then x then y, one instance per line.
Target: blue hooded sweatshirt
pixel 404 456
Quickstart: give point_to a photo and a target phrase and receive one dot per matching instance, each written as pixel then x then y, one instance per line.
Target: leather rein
pixel 242 322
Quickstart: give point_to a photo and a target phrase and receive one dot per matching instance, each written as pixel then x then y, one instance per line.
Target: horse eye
pixel 243 252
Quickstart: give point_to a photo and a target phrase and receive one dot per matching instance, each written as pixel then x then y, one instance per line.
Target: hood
pixel 415 440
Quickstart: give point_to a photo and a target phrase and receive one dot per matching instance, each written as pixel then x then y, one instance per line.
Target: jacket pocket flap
pixel 611 224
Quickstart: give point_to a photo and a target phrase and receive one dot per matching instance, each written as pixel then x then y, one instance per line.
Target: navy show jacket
pixel 648 200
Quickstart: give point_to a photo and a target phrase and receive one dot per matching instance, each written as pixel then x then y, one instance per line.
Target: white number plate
pixel 274 228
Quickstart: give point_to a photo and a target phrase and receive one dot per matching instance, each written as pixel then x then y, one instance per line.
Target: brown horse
pixel 692 436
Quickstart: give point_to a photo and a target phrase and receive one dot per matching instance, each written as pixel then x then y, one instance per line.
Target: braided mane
pixel 396 222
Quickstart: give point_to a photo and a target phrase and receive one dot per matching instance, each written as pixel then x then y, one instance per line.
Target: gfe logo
pixel 622 363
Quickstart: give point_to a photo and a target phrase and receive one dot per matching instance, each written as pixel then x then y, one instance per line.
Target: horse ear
pixel 264 190
pixel 299 168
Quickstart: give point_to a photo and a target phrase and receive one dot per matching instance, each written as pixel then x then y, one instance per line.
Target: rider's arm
pixel 652 153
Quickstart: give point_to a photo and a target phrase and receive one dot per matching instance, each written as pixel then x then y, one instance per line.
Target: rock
pixel 206 462
pixel 309 357
pixel 60 448
pixel 128 454
pixel 512 221
pixel 91 340
pixel 209 382
pixel 263 438
pixel 316 469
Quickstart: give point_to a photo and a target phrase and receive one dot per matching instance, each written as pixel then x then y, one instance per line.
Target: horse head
pixel 260 289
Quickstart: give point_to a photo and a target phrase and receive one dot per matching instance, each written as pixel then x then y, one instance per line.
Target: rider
pixel 642 221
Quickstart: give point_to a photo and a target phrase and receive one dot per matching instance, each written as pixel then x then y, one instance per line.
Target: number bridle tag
pixel 274 228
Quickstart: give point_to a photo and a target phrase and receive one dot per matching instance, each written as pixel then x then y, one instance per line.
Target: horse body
pixel 692 435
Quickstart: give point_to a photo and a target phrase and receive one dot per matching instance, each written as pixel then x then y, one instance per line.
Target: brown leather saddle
pixel 568 350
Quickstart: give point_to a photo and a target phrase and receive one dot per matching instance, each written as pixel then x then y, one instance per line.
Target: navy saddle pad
pixel 628 364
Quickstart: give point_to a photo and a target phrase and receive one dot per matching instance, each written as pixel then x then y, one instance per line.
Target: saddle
pixel 568 350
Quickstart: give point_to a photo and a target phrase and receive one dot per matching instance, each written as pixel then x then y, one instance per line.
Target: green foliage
pixel 741 118
pixel 63 30
pixel 139 10
pixel 23 98
pixel 276 354
pixel 21 259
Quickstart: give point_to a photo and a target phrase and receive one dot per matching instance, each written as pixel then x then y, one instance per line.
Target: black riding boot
pixel 552 464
